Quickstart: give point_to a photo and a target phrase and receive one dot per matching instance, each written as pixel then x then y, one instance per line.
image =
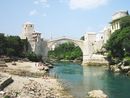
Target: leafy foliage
pixel 33 57
pixel 2 43
pixel 118 45
pixel 82 38
pixel 12 45
pixel 125 21
pixel 67 51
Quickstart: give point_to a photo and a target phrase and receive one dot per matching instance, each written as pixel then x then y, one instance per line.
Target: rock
pixel 114 68
pixel 13 63
pixel 2 64
pixel 2 92
pixel 97 94
pixel 46 68
pixel 50 66
pixel 5 82
pixel 125 68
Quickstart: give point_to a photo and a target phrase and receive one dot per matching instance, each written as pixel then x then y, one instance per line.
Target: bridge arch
pixel 76 42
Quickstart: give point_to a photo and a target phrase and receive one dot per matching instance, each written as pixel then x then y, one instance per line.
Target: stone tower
pixel 36 44
pixel 28 30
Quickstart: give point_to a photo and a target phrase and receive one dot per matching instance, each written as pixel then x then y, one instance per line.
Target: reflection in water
pixel 81 79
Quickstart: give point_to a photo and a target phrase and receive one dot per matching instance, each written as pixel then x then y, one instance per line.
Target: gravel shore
pixel 24 87
pixel 31 87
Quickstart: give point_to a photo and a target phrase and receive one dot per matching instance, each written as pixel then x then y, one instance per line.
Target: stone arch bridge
pixel 76 42
pixel 86 46
pixel 38 45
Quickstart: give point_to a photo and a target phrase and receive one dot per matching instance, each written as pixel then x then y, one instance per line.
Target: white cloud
pixel 36 2
pixel 33 12
pixel 86 4
pixel 63 1
pixel 42 2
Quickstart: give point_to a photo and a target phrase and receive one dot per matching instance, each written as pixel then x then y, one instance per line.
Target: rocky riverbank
pixel 122 67
pixel 30 82
pixel 26 87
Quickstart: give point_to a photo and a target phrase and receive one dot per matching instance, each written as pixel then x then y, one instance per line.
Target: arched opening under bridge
pixel 72 48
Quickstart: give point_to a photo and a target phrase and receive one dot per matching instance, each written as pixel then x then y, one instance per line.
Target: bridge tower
pixel 88 46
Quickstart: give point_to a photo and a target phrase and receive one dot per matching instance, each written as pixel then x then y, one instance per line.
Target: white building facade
pixel 115 24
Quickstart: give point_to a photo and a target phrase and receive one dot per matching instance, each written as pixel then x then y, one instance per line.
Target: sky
pixel 58 18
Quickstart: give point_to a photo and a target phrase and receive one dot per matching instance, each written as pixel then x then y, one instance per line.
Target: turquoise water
pixel 79 80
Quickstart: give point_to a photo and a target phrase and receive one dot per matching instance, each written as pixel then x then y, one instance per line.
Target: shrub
pixel 127 61
pixel 33 57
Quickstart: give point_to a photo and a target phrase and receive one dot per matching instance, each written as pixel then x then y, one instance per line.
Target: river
pixel 78 80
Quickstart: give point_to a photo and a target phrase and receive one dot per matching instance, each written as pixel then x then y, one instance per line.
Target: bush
pixel 7 96
pixel 10 52
pixel 110 58
pixel 127 61
pixel 33 57
pixel 66 51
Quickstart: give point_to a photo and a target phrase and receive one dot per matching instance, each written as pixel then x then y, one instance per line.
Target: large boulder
pixel 97 94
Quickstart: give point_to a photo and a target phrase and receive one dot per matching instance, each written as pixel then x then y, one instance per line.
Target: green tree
pixel 16 45
pixel 118 44
pixel 2 43
pixel 125 22
pixel 33 57
pixel 67 51
pixel 82 38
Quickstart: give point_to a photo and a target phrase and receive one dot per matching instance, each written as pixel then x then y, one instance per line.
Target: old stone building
pixel 115 24
pixel 36 43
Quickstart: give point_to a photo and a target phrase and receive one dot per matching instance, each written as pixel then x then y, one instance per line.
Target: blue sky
pixel 58 18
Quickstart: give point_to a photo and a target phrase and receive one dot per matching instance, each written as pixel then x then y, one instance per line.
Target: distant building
pixel 97 40
pixel 36 43
pixel 114 25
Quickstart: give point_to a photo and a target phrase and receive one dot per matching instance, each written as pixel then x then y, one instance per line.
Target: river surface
pixel 78 80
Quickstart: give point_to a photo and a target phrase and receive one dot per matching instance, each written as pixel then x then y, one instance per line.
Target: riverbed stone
pixel 125 68
pixel 114 68
pixel 97 94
